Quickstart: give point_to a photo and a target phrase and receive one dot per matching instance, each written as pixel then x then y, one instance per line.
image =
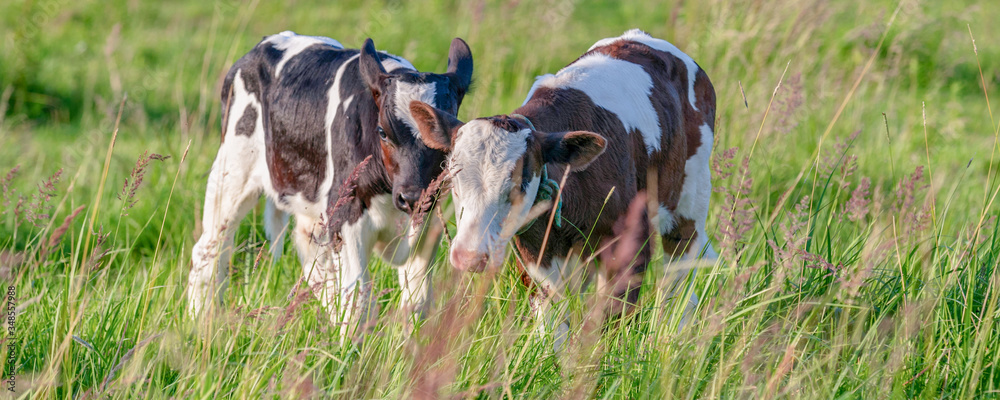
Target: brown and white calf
pixel 629 105
pixel 301 114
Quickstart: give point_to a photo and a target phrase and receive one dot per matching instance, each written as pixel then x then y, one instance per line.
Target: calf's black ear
pixel 460 66
pixel 372 71
pixel 577 148
pixel 438 128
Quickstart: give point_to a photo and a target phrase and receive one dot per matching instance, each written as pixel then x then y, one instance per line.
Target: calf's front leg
pixel 337 273
pixel 549 279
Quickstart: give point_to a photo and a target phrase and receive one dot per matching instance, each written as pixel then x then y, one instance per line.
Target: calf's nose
pixel 468 260
pixel 407 201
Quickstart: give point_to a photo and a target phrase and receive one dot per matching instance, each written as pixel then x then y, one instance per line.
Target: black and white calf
pixel 301 114
pixel 652 108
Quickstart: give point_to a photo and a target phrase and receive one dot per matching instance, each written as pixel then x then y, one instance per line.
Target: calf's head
pixel 410 160
pixel 496 169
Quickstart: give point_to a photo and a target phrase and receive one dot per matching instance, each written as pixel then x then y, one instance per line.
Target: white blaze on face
pixel 481 163
pixel 405 94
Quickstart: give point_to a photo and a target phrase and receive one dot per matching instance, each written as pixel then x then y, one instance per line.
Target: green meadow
pixel 855 169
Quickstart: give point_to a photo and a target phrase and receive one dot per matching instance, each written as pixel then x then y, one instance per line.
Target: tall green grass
pixel 855 163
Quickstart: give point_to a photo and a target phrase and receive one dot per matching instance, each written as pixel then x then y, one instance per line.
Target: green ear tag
pixel 547 188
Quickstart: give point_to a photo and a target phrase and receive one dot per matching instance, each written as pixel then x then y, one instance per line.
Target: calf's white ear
pixel 438 128
pixel 577 148
pixel 370 64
